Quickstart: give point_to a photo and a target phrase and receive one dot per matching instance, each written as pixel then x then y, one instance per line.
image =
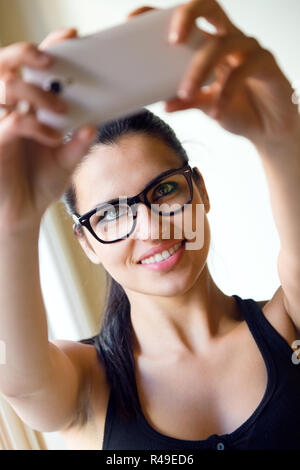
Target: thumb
pixel 56 36
pixel 69 154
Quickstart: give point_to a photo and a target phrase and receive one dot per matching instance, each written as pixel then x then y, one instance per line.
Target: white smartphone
pixel 115 72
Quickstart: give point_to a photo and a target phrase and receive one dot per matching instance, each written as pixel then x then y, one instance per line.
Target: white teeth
pixel 158 257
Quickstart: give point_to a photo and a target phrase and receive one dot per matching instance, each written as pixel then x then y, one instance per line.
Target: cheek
pixel 116 256
pixel 108 254
pixel 192 220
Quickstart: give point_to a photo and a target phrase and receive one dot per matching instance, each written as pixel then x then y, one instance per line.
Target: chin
pixel 167 287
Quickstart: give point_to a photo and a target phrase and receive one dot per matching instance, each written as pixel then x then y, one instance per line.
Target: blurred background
pixel 245 243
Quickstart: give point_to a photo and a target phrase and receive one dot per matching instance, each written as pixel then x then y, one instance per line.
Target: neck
pixel 189 322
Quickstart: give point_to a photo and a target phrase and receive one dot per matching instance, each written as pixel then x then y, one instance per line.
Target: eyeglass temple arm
pixel 76 219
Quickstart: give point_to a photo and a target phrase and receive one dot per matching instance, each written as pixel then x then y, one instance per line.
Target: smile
pixel 164 260
pixel 165 254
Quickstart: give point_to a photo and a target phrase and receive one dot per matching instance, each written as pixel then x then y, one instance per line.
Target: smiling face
pixel 124 169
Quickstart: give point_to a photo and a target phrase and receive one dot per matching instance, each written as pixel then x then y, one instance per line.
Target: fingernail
pixel 173 37
pixel 87 133
pixel 182 94
pixel 185 93
pixel 23 106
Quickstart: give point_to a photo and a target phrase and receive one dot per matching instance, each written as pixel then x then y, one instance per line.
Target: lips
pixel 159 249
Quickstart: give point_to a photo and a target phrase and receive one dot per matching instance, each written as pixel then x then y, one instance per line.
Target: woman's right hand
pixel 35 163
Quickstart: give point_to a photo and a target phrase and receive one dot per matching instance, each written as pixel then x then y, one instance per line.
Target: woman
pixel 177 364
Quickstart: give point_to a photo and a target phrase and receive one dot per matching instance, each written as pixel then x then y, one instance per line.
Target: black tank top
pixel 275 423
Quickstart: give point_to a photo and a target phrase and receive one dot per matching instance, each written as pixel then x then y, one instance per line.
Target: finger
pixel 17 124
pixel 206 95
pixel 237 79
pixel 17 89
pixel 139 11
pixel 233 49
pixel 204 100
pixel 23 53
pixel 69 154
pixel 23 107
pixel 185 15
pixel 56 36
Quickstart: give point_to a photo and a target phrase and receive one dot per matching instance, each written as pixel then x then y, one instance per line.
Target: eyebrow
pixel 116 200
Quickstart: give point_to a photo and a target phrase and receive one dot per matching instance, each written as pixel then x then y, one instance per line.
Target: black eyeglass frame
pixel 84 220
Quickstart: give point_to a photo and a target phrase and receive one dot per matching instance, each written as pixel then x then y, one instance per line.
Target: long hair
pixel 114 341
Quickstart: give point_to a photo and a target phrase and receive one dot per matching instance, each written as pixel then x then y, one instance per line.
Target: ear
pixel 199 181
pixel 85 244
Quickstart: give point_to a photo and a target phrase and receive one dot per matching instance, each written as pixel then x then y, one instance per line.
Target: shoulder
pixel 88 424
pixel 276 313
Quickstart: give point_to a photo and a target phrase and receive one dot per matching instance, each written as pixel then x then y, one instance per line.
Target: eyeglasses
pixel 116 220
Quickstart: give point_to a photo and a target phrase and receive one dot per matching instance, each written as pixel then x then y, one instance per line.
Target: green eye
pixel 164 190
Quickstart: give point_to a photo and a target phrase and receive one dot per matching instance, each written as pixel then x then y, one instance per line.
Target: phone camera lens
pixel 55 86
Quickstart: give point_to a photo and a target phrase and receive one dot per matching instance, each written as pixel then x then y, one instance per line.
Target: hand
pixel 35 163
pixel 250 96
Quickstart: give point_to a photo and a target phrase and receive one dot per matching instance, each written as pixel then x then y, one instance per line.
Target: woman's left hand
pixel 250 96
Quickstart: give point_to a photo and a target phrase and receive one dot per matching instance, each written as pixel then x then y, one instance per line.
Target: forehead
pixel 121 169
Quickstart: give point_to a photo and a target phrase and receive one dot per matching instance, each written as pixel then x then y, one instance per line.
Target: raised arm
pixel 250 97
pixel 281 162
pixel 38 379
pixel 43 381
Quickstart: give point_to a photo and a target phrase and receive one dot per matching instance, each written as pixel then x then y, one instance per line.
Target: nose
pixel 148 223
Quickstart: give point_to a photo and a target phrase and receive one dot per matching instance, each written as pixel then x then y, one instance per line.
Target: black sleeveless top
pixel 275 423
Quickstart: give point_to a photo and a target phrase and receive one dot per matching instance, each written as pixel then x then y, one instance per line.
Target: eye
pixel 164 189
pixel 110 215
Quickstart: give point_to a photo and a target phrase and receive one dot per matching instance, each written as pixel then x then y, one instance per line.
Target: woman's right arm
pixel 44 385
pixel 43 382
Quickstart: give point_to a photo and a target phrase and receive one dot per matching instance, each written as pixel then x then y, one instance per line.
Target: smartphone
pixel 116 71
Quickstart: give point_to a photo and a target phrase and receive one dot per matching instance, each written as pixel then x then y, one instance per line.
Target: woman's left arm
pixel 250 97
pixel 253 98
pixel 281 162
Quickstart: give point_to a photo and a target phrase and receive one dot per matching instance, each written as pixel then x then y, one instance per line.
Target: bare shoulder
pixel 87 429
pixel 276 313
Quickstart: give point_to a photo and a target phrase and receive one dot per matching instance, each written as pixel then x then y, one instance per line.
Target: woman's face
pixel 124 169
